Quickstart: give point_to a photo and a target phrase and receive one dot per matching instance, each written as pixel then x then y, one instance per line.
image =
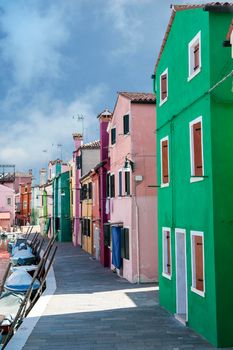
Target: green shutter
pixel 126 236
pixel 107 235
pixel 126 124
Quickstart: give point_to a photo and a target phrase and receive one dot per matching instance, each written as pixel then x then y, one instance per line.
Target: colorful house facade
pixel 59 172
pixel 96 210
pixel 193 86
pixel 85 157
pixel 131 192
pixel 7 207
pixel 86 213
pixel 104 166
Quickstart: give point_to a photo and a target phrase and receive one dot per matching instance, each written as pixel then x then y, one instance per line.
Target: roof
pixel 91 145
pixel 105 113
pixel 139 97
pixel 212 6
pixel 230 31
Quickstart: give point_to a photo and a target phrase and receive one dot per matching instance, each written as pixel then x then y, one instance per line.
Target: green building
pixel 193 86
pixel 61 203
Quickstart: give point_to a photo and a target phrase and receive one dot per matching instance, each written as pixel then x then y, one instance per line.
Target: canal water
pixel 4 257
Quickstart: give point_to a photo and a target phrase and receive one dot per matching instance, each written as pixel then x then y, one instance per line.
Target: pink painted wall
pixel 6 192
pixel 139 211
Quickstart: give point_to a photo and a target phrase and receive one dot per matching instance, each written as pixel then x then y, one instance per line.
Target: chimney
pixel 104 118
pixel 42 176
pixel 30 172
pixel 78 140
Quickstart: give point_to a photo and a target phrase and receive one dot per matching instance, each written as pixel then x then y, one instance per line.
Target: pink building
pixel 131 182
pixel 7 207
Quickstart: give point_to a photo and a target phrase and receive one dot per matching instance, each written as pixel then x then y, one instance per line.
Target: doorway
pixel 181 276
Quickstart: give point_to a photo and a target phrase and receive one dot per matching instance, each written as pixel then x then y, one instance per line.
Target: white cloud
pixel 26 139
pixel 33 39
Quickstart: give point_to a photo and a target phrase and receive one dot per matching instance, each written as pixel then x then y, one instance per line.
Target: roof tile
pixel 139 97
pixel 91 145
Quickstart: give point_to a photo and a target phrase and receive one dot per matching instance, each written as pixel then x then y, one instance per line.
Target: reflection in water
pixel 4 257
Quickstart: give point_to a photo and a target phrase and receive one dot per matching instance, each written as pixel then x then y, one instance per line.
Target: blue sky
pixel 64 58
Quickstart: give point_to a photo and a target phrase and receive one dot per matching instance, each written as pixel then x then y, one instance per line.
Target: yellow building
pixel 86 217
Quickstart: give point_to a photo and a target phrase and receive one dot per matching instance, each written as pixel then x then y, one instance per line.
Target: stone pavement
pixel 93 308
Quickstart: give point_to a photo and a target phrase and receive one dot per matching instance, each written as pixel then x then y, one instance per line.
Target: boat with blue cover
pixel 20 281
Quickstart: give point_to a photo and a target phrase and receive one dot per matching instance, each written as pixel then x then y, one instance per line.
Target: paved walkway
pixel 93 308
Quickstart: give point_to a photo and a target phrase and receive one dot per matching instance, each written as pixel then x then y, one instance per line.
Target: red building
pixel 24 209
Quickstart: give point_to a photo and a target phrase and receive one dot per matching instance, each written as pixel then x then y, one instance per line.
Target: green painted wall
pixel 61 195
pixel 196 206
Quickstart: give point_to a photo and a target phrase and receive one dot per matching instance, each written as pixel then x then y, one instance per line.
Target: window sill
pixel 169 277
pixel 191 76
pixel 163 101
pixel 125 135
pixel 196 178
pixel 199 292
pixel 165 185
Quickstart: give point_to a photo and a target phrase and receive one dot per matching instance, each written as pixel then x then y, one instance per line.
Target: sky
pixel 62 59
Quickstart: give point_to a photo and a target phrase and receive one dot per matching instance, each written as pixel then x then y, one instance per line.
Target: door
pixel 181 274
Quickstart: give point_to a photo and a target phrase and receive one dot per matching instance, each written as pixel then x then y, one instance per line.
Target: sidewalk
pixel 92 308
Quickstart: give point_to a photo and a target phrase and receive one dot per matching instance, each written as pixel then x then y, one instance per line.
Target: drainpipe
pixel 137 232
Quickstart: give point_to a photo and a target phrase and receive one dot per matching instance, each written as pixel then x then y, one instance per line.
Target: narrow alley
pixel 93 308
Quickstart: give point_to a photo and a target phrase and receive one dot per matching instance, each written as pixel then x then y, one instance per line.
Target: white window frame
pixel 164 252
pixel 192 177
pixel 192 43
pixel 160 87
pixel 162 184
pixel 193 289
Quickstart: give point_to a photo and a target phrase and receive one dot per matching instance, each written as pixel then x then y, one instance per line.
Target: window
pixel 57 223
pixel 90 190
pixel 194 52
pixel 107 235
pixel 112 185
pixel 127 182
pixel 24 204
pixel 113 136
pixel 163 87
pixel 86 227
pixel 164 152
pixel 79 162
pixel 197 253
pixel 84 192
pixel 108 185
pixel 166 241
pixel 126 124
pixel 196 150
pixel 125 243
pixel 120 183
pixel 8 201
pixel 25 189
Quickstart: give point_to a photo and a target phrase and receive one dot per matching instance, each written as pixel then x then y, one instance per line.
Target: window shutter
pixel 127 183
pixel 112 184
pixel 126 124
pixel 164 86
pixel 197 145
pixel 165 161
pixel 120 183
pixel 196 56
pixel 199 263
pixel 107 235
pixel 90 190
pixel 107 185
pixel 79 162
pixel 113 136
pixel 168 238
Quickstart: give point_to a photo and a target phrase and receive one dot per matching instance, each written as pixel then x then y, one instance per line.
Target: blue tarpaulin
pixel 116 246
